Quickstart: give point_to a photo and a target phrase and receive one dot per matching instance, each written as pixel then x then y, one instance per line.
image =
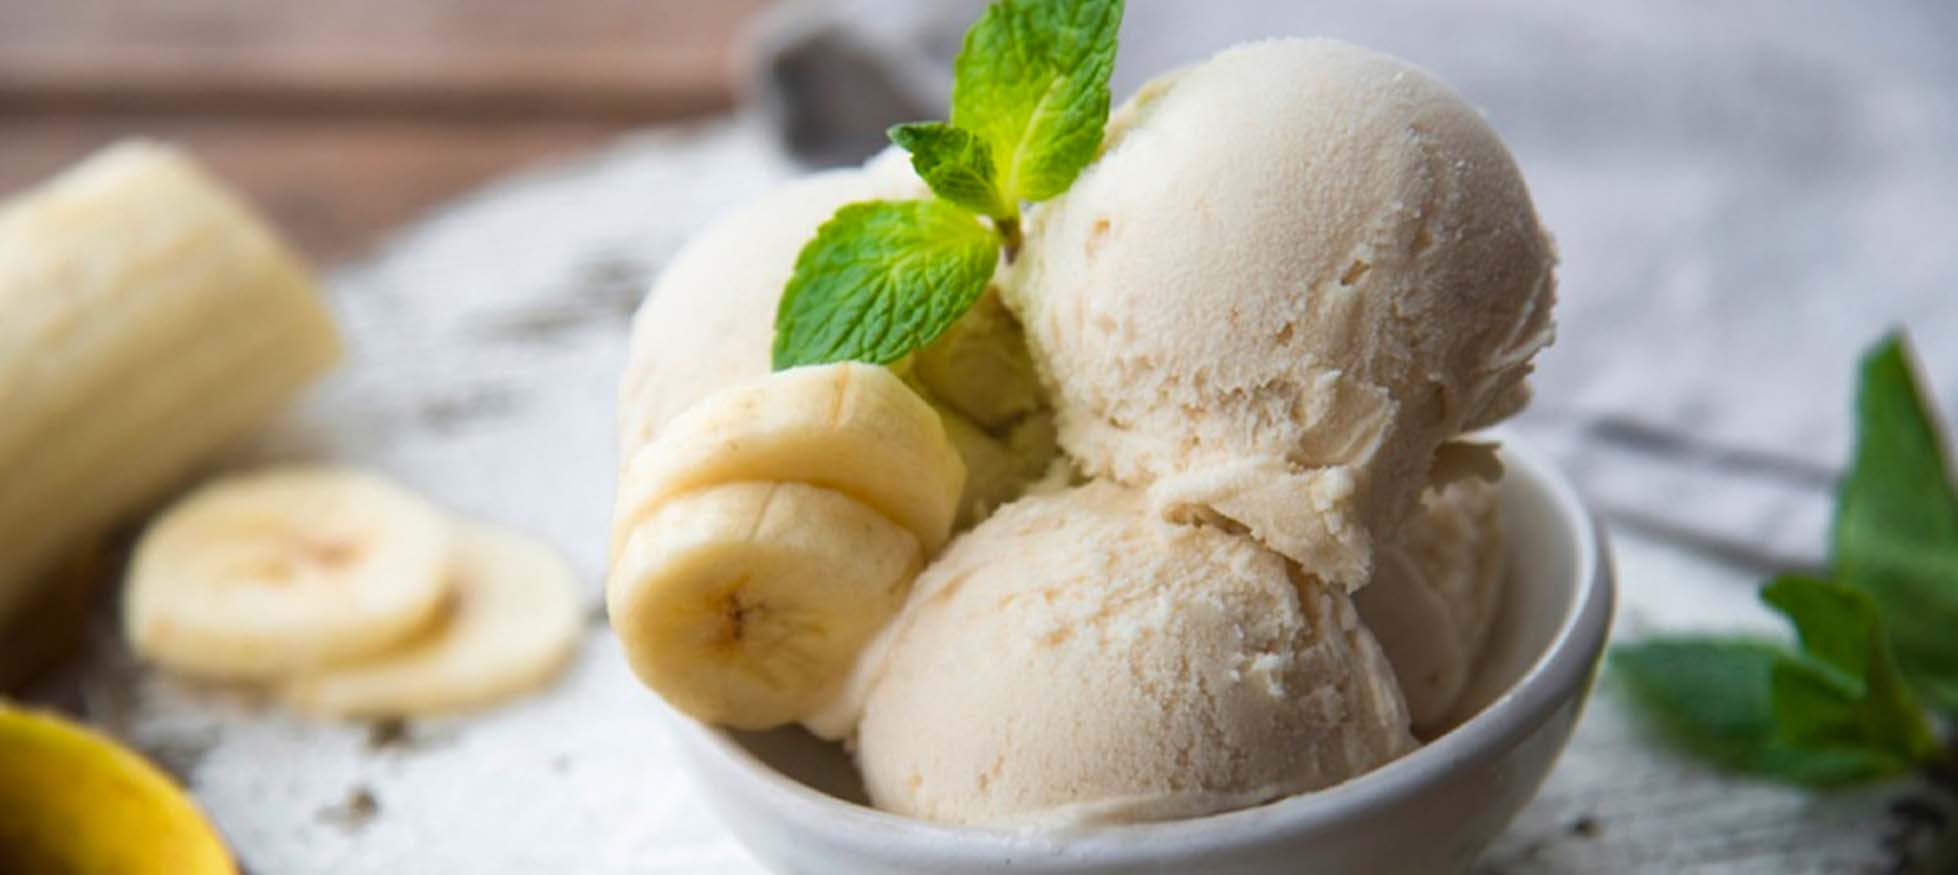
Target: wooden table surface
pixel 347 119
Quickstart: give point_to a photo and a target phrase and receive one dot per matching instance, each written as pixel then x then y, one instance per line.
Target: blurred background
pixel 1745 195
pixel 346 119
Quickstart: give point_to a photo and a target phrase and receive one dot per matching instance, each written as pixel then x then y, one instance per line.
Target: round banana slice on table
pixel 849 427
pixel 746 603
pixel 273 573
pixel 510 625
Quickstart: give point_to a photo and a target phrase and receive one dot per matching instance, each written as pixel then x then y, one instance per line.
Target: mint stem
pixel 1009 235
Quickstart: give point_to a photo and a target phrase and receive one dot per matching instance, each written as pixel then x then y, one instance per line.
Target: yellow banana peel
pixel 74 802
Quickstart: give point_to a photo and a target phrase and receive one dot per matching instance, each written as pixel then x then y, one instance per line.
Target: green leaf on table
pixel 1845 691
pixel 881 279
pixel 956 164
pixel 1716 697
pixel 1031 82
pixel 1896 525
pixel 1876 640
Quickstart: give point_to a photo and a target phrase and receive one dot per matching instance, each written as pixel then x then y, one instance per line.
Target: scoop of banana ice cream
pixel 1077 659
pixel 709 323
pixel 1295 272
pixel 1434 596
pixel 981 378
pixel 709 320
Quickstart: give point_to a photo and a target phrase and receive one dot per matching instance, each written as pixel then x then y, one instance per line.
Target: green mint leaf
pixel 1896 526
pixel 956 164
pixel 880 279
pixel 1031 81
pixel 1714 691
pixel 1846 691
pixel 1715 696
pixel 1838 627
pixel 1812 715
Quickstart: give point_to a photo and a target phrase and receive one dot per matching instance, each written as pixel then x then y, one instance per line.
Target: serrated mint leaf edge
pixel 879 280
pixel 1032 162
pixel 956 163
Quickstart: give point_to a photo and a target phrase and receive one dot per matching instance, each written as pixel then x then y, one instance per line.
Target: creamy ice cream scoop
pixel 709 323
pixel 709 320
pixel 1434 596
pixel 1295 272
pixel 1077 659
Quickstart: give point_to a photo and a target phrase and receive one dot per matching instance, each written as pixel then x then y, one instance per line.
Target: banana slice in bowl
pixel 849 427
pixel 767 534
pixel 288 570
pixel 746 604
pixel 509 626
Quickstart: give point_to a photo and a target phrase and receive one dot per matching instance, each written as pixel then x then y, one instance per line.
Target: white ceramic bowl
pixel 797 804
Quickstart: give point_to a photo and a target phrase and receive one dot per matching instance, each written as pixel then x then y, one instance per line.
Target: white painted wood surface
pixel 486 346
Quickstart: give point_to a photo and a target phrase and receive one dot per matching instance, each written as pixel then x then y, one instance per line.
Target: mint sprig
pixel 1031 81
pixel 881 279
pixel 956 164
pixel 1029 103
pixel 1835 711
pixel 1844 704
pixel 1715 696
pixel 1843 692
pixel 1896 527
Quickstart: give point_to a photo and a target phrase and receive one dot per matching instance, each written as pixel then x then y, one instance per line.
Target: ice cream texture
pixel 1434 597
pixel 708 324
pixel 709 320
pixel 1076 659
pixel 1297 270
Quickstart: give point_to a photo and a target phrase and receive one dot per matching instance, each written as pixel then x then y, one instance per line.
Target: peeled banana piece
pixel 284 571
pixel 746 603
pixel 510 624
pixel 852 428
pixel 150 320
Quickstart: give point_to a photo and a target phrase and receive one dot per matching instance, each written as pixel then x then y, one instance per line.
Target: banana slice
pixel 510 626
pixel 852 428
pixel 278 572
pixel 747 603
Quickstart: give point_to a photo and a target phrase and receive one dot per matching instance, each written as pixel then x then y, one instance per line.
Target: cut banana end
pixel 510 626
pixel 746 604
pixel 278 572
pixel 851 428
pixel 150 320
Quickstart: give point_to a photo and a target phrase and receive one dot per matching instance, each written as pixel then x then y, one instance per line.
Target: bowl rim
pixel 1563 666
